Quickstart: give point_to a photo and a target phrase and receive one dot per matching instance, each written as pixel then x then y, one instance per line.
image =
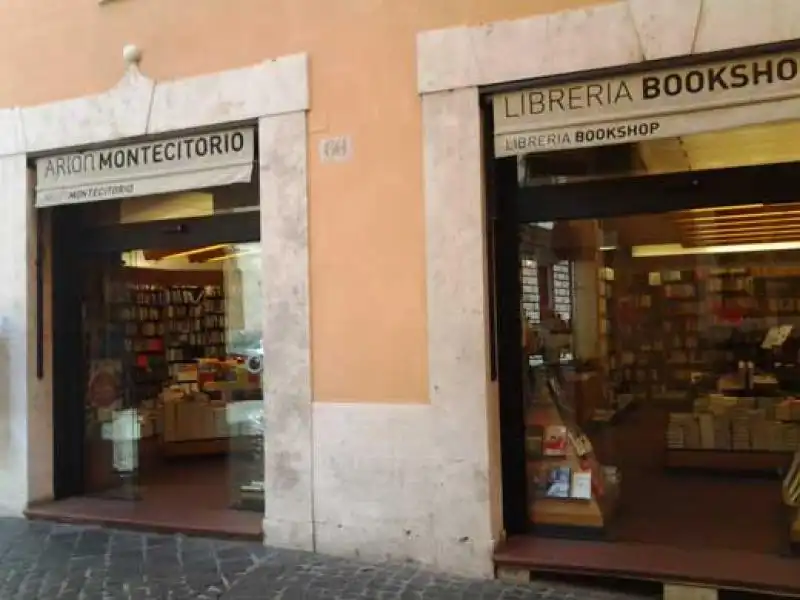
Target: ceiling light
pixel 194 251
pixel 744 232
pixel 755 239
pixel 723 208
pixel 656 250
pixel 733 225
pixel 234 255
pixel 744 239
pixel 755 215
pixel 607 248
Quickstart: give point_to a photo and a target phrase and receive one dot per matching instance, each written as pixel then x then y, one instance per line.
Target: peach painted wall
pixel 366 216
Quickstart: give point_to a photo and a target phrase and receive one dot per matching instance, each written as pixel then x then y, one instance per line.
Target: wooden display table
pixel 208 443
pixel 227 388
pixel 591 513
pixel 727 460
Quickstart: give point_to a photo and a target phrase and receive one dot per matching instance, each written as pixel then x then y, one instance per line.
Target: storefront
pixel 140 327
pixel 408 443
pixel 156 282
pixel 613 173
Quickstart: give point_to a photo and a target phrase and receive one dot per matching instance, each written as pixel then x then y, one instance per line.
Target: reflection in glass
pixel 656 342
pixel 243 338
pixel 174 383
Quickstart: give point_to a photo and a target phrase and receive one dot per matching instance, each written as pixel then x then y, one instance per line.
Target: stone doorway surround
pixel 275 95
pixel 452 65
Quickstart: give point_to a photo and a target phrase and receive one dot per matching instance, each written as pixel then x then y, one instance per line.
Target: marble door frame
pixel 275 95
pixel 452 66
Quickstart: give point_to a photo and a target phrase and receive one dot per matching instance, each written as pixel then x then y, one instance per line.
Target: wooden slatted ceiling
pixel 764 144
pixel 740 225
pixel 712 227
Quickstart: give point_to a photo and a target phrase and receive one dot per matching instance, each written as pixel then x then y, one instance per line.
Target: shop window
pixel 173 356
pixel 667 348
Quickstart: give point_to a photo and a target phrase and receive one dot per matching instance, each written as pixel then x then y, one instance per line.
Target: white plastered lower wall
pixel 275 95
pixel 458 461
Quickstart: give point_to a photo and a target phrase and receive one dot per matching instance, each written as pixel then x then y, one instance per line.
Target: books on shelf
pixel 580 443
pixel 562 482
pixel 721 422
pixel 559 482
pixel 555 440
pixel 582 485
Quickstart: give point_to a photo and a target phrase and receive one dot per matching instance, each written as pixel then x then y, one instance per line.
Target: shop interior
pixel 661 349
pixel 170 363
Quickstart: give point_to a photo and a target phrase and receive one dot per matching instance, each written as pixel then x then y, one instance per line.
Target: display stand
pixel 568 488
pixel 205 427
pixel 733 461
pixel 733 434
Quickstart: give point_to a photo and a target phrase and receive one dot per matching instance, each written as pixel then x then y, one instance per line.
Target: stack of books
pixel 734 428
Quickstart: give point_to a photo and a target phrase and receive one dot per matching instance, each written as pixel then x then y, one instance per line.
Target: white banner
pixel 650 105
pixel 170 165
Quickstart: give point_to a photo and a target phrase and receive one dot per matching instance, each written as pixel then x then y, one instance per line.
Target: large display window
pixel 158 358
pixel 173 356
pixel 661 347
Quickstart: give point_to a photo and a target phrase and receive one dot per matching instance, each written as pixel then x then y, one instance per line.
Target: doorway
pixel 653 398
pixel 157 366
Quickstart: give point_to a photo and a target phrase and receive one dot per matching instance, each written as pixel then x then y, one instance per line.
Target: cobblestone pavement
pixel 301 576
pixel 45 561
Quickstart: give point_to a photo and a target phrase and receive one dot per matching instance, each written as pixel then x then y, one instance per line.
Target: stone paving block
pixel 47 561
pixel 308 576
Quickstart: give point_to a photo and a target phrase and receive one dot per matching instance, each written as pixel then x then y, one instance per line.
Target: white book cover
pixel 582 485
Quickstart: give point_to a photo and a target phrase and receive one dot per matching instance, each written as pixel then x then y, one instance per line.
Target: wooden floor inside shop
pixel 687 508
pixel 190 496
pixel 728 530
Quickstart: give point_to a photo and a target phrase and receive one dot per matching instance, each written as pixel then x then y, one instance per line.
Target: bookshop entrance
pixel 157 362
pixel 655 288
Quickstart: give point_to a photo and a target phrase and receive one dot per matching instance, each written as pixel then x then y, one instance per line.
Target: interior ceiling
pixel 193 255
pixel 748 146
pixel 759 145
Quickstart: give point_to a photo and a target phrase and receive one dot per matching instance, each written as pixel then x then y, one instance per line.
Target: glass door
pixel 242 371
pixel 157 359
pixel 124 366
pixel 174 355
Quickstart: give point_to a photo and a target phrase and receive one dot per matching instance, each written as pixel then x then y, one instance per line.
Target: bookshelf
pixel 137 314
pixel 194 325
pixel 674 328
pixel 671 321
pixel 163 326
pixel 162 323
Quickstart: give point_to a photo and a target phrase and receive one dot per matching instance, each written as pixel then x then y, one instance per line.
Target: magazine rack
pixel 568 488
